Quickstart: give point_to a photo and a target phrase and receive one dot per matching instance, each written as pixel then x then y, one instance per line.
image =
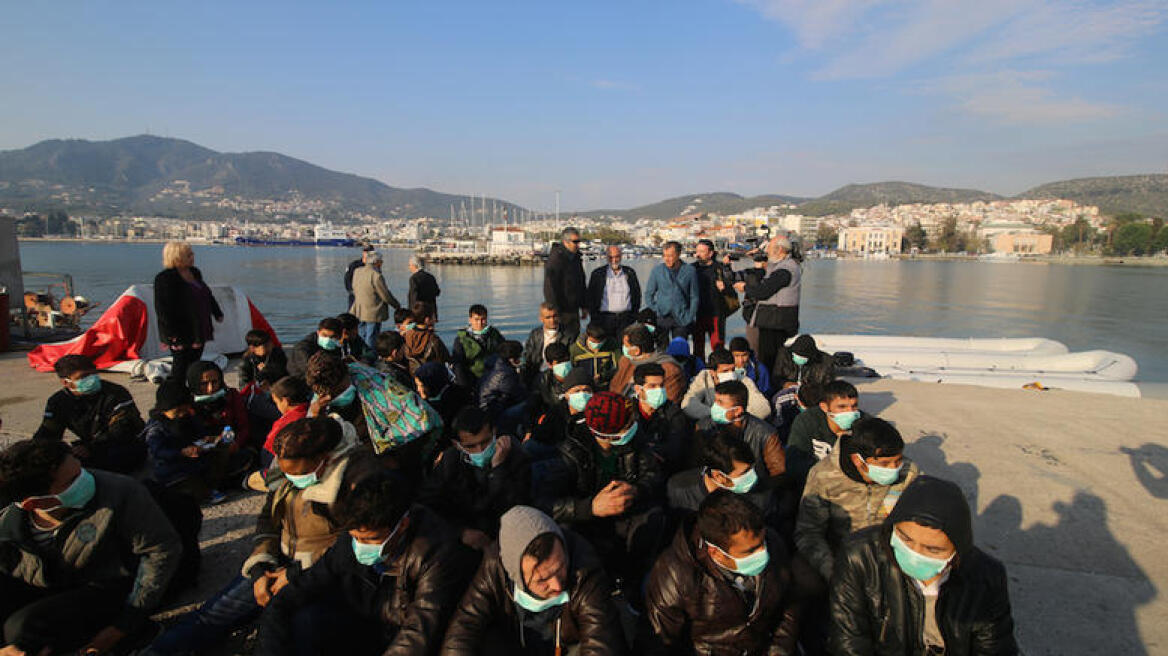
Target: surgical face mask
pixel 578 400
pixel 743 483
pixel 845 419
pixel 409 325
pixel 345 398
pixel 655 398
pixel 622 439
pixel 480 331
pixel 561 369
pixel 739 372
pixel 725 376
pixel 531 604
pixel 798 359
pixel 918 566
pixel 87 385
pixel 301 481
pixel 651 328
pixel 593 346
pixel 370 554
pixel 79 493
pixel 328 343
pixel 883 475
pixel 718 414
pixel 482 458
pixel 213 396
pixel 751 565
pixel 625 350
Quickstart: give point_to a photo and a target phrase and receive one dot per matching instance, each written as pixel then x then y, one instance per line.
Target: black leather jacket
pixel 575 478
pixel 589 619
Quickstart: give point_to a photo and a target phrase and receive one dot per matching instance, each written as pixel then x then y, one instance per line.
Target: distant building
pixel 871 240
pixel 1023 242
pixel 508 241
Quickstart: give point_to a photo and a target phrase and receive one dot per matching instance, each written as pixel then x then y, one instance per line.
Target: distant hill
pixel 1146 194
pixel 853 196
pixel 720 202
pixel 172 177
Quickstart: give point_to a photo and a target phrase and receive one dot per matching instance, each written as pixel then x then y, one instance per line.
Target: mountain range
pixel 150 175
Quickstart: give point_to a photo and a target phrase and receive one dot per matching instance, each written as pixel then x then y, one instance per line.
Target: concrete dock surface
pixel 1069 490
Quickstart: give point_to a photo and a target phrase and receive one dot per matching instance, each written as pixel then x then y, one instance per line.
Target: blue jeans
pixel 369 330
pixel 230 608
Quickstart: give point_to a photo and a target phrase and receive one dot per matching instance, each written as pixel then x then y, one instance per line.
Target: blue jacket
pixel 500 388
pixel 679 300
pixel 166 440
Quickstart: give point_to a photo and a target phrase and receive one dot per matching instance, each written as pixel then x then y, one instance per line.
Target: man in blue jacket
pixel 672 292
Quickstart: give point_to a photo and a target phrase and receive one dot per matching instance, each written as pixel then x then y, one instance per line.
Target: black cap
pixel 938 503
pixel 576 377
pixel 804 345
pixel 170 395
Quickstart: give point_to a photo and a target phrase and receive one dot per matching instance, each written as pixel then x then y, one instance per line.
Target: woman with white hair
pixel 184 306
pixel 776 314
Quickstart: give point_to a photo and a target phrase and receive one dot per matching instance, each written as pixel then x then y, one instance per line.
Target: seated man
pixel 291 396
pixel 101 414
pixel 437 386
pixel 294 529
pixel 814 433
pixel 916 584
pixel 352 344
pixel 803 362
pixel 549 384
pixel 727 463
pixel 422 343
pixel 730 400
pixel 724 586
pixel 563 420
pixel 597 353
pixel 389 588
pixel 183 458
pixel 661 422
pixel 477 479
pixel 262 356
pixel 542 591
pixel 549 332
pixel 790 402
pixel 854 487
pixel 85 556
pixel 391 358
pixel 502 394
pixel 746 365
pixel 218 408
pixel 639 348
pixel 326 338
pixel 700 395
pixel 610 488
pixel 473 345
pixel 403 320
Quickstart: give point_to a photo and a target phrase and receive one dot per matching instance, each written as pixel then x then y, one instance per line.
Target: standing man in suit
pixel 614 294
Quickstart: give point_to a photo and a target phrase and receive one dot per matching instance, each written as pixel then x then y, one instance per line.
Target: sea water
pixel 1117 308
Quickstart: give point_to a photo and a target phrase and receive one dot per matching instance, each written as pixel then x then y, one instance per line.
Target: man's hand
pixel 740 286
pixel 104 641
pixel 475 539
pixel 264 587
pixel 503 445
pixel 191 451
pixel 613 500
pixel 319 405
pixel 281 581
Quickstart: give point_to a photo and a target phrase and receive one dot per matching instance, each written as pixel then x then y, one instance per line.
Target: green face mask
pixel 918 566
pixel 562 369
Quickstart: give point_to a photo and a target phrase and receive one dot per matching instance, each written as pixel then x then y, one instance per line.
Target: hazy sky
pixel 615 103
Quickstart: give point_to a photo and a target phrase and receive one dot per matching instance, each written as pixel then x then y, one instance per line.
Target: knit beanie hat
pixel 678 347
pixel 608 413
pixel 517 528
pixel 170 395
pixel 577 376
pixel 804 345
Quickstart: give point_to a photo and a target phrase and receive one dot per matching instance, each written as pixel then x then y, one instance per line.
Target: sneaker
pixel 216 498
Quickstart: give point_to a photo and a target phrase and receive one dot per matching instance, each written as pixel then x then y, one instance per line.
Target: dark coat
pixel 877 609
pixel 302 351
pixel 711 300
pixel 589 619
pixel 772 317
pixel 98 420
pixel 670 434
pixel 412 599
pixel 424 288
pixel 500 388
pixel 472 497
pixel 533 350
pixel 166 439
pixel 596 283
pixel 576 477
pixel 275 366
pixel 177 311
pixel 819 370
pixel 563 280
pixel 694 609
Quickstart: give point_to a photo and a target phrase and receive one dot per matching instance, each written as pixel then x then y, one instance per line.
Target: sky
pixel 614 104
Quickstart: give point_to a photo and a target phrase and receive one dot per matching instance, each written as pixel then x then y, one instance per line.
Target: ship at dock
pixel 323 234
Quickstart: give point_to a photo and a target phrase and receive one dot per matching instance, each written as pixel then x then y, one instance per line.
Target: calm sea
pixel 1117 308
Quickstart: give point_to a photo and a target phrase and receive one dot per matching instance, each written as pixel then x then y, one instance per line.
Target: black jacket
pixel 175 307
pixel 472 497
pixel 711 300
pixel 412 599
pixel 533 350
pixel 301 352
pixel 769 316
pixel 877 609
pixel 596 283
pixel 107 416
pixel 424 287
pixel 500 388
pixel 563 279
pixel 694 609
pixel 275 366
pixel 589 619
pixel 575 478
pixel 670 434
pixel 819 370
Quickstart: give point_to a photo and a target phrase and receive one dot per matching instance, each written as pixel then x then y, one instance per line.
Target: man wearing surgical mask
pixel 720 368
pixel 729 409
pixel 662 423
pixel 814 433
pixel 723 586
pixel 101 414
pixel 609 488
pixel 329 333
pixel 85 556
pixel 333 392
pixel 543 591
pixel 726 463
pixel 475 480
pixel 916 584
pixel 388 587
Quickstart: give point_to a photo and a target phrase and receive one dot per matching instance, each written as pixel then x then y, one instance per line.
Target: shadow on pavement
pixel 1150 464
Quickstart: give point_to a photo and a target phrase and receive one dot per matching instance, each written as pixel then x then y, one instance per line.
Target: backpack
pixel 394 414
